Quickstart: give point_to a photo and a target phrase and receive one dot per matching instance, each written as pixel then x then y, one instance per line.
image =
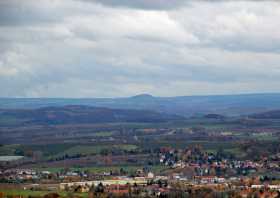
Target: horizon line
pixel 147 95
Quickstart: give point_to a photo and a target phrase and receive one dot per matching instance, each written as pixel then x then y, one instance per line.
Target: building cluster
pixel 186 171
pixel 147 184
pixel 205 164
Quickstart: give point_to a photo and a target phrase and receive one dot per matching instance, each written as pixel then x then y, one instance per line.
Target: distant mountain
pixel 267 115
pixel 143 97
pixel 228 105
pixel 83 114
pixel 214 116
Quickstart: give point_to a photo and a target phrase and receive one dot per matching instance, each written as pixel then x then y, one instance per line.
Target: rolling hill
pixel 267 115
pixel 77 114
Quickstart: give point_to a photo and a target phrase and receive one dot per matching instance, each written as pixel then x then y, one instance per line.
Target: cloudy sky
pixel 113 48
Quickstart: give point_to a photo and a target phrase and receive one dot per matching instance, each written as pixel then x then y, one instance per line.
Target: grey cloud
pixel 27 12
pixel 69 48
pixel 142 4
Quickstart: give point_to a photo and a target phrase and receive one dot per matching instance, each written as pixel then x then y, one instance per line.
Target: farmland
pixel 205 146
pixel 135 143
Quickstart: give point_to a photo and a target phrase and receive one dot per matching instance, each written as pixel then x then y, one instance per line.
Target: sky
pixel 117 48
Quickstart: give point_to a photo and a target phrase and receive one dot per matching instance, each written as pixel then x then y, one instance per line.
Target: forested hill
pixel 267 115
pixel 81 115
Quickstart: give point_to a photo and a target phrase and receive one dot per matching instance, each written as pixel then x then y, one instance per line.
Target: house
pixel 150 175
pixel 82 189
pixel 258 186
pixel 46 172
pixel 118 189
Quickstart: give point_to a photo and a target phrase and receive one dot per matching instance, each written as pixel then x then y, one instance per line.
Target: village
pixel 144 184
pixel 186 171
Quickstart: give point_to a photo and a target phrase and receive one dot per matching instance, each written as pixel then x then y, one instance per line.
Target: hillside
pixel 81 114
pixel 214 116
pixel 267 115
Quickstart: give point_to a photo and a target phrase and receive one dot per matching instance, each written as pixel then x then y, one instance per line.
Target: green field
pixel 93 150
pixel 103 134
pixel 8 149
pixel 28 193
pixel 59 150
pixel 102 169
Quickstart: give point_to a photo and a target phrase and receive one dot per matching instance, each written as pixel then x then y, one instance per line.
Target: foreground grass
pixel 27 193
pixel 102 169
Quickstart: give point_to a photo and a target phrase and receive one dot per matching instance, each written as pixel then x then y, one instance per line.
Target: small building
pixel 150 175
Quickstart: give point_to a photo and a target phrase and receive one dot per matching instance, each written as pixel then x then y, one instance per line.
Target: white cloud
pixel 231 25
pixel 139 25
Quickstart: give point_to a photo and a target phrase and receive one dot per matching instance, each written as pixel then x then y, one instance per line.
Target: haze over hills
pixel 228 105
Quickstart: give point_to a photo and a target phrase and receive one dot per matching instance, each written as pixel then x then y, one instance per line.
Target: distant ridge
pixel 143 96
pixel 227 105
pixel 214 116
